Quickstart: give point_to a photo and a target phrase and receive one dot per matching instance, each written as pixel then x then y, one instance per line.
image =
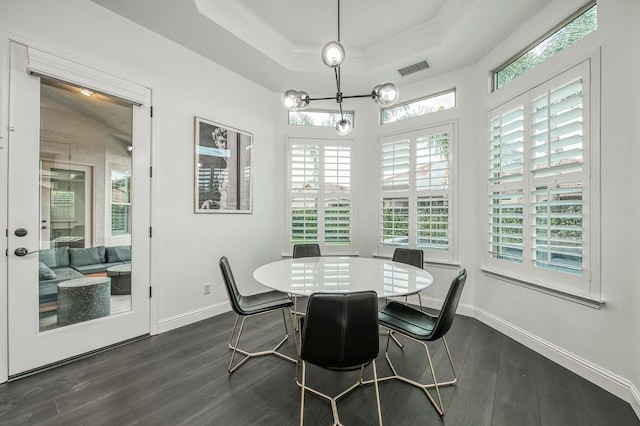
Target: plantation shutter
pixel 556 153
pixel 337 201
pixel 321 198
pixel 304 193
pixel 540 195
pixel 432 177
pixel 416 191
pixel 394 164
pixel 506 158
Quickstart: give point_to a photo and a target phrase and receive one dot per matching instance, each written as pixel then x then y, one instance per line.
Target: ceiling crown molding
pixel 240 21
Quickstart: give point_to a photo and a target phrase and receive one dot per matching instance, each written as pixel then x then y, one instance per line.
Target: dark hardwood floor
pixel 180 378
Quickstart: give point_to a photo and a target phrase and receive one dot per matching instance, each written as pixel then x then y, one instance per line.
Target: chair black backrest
pixel 230 284
pixel 306 250
pixel 340 329
pixel 409 256
pixel 448 311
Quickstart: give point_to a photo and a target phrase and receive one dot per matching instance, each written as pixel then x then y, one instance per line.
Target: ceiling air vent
pixel 420 66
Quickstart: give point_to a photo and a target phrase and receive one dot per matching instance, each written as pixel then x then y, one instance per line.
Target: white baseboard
pixel 187 318
pixel 604 378
pixel 635 404
pixel 607 380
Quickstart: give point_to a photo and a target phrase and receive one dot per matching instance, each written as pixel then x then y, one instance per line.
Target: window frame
pixel 535 43
pixel 347 113
pixel 411 193
pixel 127 176
pixel 585 289
pixel 325 246
pixel 416 101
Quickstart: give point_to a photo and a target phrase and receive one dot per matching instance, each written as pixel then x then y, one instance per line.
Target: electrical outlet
pixel 207 288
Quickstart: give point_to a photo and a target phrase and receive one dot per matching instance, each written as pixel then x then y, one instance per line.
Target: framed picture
pixel 223 177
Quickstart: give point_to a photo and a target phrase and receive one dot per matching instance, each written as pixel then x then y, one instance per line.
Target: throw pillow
pixel 119 254
pixel 45 272
pixel 84 256
pixel 55 257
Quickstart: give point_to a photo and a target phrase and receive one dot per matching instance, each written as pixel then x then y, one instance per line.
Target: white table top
pixel 303 276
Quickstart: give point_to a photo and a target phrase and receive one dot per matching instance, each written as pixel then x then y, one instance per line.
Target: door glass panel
pixel 86 147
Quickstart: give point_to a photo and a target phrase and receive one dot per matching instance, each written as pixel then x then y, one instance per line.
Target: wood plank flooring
pixel 180 378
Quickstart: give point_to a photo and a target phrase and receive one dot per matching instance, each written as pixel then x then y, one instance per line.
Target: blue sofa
pixel 64 263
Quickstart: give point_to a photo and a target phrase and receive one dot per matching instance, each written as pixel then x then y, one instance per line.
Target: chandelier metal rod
pixel 329 98
pixel 332 55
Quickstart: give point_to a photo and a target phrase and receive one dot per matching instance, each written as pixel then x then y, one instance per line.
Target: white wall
pixel 635 155
pixel 599 344
pixel 185 246
pixel 602 344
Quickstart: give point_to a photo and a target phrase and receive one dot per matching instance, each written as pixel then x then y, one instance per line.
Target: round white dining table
pixel 307 275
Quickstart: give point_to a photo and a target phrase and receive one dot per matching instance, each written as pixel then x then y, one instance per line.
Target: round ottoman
pixel 83 299
pixel 120 278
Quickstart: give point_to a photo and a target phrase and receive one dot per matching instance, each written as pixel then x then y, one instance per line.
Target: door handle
pixel 21 251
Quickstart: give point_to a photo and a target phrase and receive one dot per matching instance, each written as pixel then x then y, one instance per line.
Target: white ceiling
pixel 277 43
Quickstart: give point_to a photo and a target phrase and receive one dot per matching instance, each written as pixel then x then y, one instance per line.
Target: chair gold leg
pixel 375 384
pixel 334 400
pixel 455 376
pixel 235 347
pixel 439 405
pixel 304 378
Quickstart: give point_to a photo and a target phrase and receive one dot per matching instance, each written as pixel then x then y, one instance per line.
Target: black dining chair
pixel 247 306
pixel 412 257
pixel 306 250
pixel 340 332
pixel 303 250
pixel 422 327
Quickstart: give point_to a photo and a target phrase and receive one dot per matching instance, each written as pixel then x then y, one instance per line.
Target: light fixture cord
pixel 338 21
pixel 337 71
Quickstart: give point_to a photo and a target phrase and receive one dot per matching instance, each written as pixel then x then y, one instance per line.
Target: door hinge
pixel 151 232
pixel 150 171
pixel 151 112
pixel 149 292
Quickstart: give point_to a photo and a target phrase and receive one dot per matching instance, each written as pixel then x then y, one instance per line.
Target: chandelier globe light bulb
pixel 386 94
pixel 333 54
pixel 289 98
pixel 344 127
pixel 295 100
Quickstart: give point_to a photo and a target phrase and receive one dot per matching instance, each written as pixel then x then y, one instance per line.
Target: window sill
pixel 582 299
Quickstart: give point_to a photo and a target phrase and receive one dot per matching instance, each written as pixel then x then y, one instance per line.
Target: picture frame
pixel 223 168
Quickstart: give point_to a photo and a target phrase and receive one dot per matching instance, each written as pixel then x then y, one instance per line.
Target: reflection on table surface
pixel 304 276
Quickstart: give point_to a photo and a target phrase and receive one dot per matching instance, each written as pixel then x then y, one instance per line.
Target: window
pixel 120 203
pixel 320 201
pixel 418 107
pixel 63 205
pixel 540 194
pixel 416 192
pixel 579 25
pixel 318 118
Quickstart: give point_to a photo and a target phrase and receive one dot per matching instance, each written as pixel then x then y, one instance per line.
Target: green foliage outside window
pixel 564 37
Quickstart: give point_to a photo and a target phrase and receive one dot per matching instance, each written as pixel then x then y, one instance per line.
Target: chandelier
pixel 332 56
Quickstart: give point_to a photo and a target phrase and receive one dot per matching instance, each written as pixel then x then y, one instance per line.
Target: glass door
pixel 78 231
